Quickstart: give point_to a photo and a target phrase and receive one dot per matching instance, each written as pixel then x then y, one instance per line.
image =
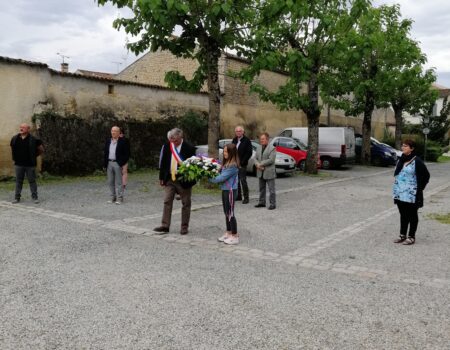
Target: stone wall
pixel 151 68
pixel 27 88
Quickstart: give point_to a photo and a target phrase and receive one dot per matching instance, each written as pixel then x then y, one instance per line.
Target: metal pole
pixel 425 151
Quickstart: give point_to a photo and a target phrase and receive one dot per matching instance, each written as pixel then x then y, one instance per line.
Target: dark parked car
pixel 380 154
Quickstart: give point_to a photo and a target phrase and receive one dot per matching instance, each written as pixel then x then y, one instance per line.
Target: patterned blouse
pixel 405 185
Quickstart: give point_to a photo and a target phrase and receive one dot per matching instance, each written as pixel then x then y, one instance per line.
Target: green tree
pixel 299 38
pixel 358 83
pixel 406 85
pixel 411 91
pixel 207 28
pixel 439 125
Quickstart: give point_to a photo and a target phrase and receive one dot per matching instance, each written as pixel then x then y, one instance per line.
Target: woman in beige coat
pixel 265 171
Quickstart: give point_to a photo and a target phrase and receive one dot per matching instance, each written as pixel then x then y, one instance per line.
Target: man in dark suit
pixel 115 156
pixel 172 153
pixel 25 148
pixel 245 151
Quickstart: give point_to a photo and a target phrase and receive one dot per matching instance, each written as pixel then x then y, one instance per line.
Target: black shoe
pixel 161 230
pixel 400 239
pixel 238 198
pixel 271 207
pixel 184 231
pixel 260 205
pixel 245 201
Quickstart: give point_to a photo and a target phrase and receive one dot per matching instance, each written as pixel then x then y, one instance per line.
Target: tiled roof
pixel 81 76
pixel 91 73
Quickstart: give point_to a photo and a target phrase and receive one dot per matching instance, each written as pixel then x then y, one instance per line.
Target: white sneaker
pixel 223 238
pixel 231 240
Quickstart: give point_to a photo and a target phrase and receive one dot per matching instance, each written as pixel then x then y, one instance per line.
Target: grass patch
pixel 98 176
pixel 443 159
pixel 320 174
pixel 442 218
pixel 204 187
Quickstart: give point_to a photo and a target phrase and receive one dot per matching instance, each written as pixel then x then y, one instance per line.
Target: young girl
pixel 228 179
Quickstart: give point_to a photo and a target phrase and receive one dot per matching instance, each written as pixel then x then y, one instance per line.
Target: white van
pixel 336 145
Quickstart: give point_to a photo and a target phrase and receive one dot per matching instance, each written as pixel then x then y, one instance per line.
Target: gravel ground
pixel 73 284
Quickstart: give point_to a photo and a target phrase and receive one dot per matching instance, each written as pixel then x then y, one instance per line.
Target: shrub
pixel 74 146
pixel 434 149
pixel 194 126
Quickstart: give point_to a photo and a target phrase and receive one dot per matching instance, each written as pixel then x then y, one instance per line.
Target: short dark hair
pixel 265 134
pixel 411 143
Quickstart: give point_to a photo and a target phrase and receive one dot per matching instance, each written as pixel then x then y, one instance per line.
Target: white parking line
pixel 315 247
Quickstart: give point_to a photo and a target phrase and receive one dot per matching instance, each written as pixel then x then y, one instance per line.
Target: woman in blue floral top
pixel 411 178
pixel 228 179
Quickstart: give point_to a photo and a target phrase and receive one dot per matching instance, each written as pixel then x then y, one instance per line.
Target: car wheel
pixel 302 165
pixel 326 163
pixel 377 161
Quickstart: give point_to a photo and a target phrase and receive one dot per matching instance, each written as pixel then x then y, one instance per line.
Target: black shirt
pixel 21 149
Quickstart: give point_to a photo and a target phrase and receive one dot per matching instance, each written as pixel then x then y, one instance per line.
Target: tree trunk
pixel 313 114
pixel 367 128
pixel 398 126
pixel 214 103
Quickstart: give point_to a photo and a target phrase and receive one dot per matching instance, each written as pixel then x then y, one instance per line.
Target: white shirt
pixel 238 142
pixel 112 149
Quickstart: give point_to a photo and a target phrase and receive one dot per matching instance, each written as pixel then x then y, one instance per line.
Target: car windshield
pixel 375 141
pixel 302 146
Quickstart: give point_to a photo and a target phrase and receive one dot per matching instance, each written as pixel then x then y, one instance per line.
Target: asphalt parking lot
pixel 319 272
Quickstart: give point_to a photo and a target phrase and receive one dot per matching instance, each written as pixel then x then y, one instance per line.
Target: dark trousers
pixel 171 189
pixel 30 171
pixel 243 183
pixel 408 217
pixel 262 191
pixel 228 208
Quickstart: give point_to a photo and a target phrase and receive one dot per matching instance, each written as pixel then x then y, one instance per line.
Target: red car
pixel 295 148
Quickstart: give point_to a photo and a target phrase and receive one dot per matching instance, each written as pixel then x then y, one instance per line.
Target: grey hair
pixel 240 127
pixel 175 132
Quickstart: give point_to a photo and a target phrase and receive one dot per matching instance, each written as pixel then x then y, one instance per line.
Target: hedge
pixel 74 145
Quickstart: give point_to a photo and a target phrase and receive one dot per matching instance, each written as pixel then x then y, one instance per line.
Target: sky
pixel 43 30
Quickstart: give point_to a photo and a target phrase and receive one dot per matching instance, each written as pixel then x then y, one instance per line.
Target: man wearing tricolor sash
pixel 172 154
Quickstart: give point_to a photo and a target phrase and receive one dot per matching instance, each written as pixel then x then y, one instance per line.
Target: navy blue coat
pixel 122 152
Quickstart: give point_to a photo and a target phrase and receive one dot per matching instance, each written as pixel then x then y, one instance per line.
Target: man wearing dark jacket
pixel 25 148
pixel 172 153
pixel 115 156
pixel 245 151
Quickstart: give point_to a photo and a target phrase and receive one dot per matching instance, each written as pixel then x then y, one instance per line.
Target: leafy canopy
pixel 206 27
pixel 300 39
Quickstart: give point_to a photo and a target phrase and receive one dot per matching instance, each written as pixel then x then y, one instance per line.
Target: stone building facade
pixel 238 105
pixel 27 88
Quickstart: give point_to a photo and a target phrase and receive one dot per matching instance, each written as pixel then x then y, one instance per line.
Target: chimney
pixel 65 67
